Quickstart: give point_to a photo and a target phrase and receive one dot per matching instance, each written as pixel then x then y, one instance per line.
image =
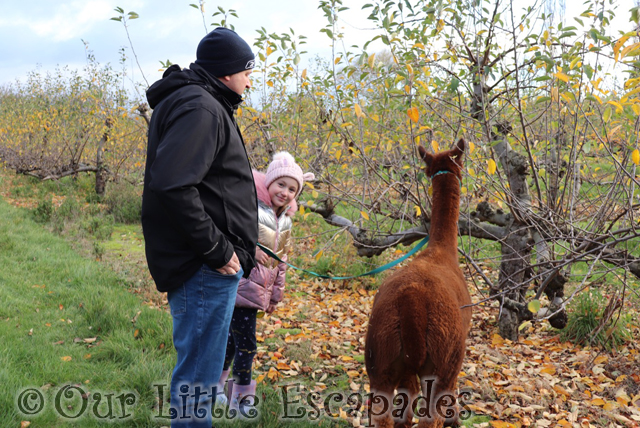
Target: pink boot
pixel 221 398
pixel 243 400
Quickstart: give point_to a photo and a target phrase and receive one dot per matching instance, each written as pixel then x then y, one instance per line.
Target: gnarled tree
pixel 551 113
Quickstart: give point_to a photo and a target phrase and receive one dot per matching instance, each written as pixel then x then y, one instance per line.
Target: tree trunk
pixel 100 169
pixel 144 111
pixel 516 252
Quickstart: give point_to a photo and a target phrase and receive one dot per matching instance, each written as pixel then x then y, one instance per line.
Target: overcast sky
pixel 42 34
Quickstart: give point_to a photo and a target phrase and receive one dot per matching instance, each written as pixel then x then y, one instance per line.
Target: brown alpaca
pixel 418 326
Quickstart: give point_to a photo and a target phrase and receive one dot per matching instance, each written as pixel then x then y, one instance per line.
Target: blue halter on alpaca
pixel 444 171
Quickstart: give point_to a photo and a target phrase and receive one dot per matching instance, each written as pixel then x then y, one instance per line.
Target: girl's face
pixel 282 191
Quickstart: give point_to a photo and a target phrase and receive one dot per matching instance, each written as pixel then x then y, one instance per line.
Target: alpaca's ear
pixel 458 151
pixel 426 157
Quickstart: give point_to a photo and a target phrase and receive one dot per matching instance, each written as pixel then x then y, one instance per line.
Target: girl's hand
pixel 271 308
pixel 261 256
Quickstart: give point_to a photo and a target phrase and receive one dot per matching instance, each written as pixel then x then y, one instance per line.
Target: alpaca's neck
pixel 445 213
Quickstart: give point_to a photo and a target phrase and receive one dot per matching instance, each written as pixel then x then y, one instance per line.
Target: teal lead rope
pixel 382 268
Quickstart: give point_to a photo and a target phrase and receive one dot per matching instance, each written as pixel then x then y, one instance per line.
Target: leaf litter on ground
pixel 316 339
pixel 536 381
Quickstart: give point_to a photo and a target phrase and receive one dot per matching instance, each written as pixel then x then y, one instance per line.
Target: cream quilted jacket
pixel 265 284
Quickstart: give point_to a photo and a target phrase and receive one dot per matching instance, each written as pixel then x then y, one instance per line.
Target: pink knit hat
pixel 284 165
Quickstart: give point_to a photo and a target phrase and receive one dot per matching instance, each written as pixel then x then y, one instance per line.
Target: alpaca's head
pixel 451 160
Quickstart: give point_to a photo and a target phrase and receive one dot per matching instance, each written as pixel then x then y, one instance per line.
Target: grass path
pixel 69 321
pixel 72 328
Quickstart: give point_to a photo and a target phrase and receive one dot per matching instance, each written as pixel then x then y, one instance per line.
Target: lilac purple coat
pixel 265 284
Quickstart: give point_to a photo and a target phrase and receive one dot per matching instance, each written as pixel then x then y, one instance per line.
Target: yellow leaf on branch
pixel 372 60
pixel 619 108
pixel 414 114
pixel 491 167
pixel 409 69
pixel 635 157
pixel 630 50
pixel 358 110
pixel 574 62
pixel 617 46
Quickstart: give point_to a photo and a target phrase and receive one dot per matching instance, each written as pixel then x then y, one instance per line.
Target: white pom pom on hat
pixel 284 165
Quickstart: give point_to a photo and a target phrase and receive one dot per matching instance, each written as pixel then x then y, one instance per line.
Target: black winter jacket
pixel 199 201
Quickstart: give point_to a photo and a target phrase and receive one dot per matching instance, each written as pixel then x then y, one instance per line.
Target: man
pixel 199 212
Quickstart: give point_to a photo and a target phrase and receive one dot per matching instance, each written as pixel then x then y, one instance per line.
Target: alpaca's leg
pixel 432 423
pixel 443 391
pixel 447 409
pixel 380 407
pixel 408 385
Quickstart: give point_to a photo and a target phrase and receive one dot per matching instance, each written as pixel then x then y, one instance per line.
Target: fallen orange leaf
pixel 548 369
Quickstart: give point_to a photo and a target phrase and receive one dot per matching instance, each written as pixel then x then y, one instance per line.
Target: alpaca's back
pixel 417 316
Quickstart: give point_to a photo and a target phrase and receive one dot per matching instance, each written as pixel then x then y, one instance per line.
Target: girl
pixel 277 192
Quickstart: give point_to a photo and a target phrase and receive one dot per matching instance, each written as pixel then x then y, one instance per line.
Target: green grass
pixel 70 325
pixel 124 202
pixel 65 320
pixel 585 316
pixel 126 238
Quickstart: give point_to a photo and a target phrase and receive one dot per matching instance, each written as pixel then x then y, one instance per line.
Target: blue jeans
pixel 201 309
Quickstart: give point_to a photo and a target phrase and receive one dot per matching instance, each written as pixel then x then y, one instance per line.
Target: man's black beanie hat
pixel 223 53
